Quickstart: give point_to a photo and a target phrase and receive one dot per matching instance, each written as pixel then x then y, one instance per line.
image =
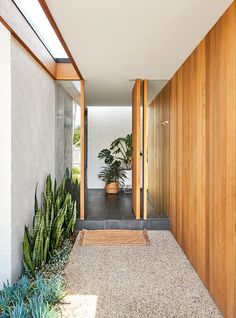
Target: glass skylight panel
pixel 36 17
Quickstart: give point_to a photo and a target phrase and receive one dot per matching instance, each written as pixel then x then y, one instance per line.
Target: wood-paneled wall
pixel 202 209
pixel 158 153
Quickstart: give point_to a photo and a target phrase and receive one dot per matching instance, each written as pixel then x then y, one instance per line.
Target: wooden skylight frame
pixel 15 22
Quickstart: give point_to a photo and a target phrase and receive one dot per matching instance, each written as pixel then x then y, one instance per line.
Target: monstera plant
pixel 120 150
pixel 113 175
pixel 118 160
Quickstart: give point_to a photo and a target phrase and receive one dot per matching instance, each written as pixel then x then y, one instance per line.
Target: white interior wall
pixel 5 158
pixel 104 125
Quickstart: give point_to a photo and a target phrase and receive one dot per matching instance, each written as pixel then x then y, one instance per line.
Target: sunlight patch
pixel 78 306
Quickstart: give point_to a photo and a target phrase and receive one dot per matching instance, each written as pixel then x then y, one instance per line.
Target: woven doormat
pixel 113 238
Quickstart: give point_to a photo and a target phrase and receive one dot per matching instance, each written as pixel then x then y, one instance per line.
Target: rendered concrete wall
pixel 33 142
pixel 28 100
pixel 64 132
pixel 5 158
pixel 104 125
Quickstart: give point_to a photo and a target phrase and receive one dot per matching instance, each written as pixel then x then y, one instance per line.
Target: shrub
pixel 75 170
pixel 75 174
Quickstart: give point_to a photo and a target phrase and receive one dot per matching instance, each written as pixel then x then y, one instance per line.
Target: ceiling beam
pixel 66 72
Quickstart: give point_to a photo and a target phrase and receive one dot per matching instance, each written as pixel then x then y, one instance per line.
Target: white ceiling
pixel 115 41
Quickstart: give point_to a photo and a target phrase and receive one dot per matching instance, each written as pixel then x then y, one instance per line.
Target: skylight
pixel 36 17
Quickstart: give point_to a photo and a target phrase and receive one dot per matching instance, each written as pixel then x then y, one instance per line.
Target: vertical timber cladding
pixel 159 152
pixel 136 135
pixel 202 209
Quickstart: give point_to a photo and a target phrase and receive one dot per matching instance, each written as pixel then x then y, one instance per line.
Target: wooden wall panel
pixel 220 159
pixel 158 153
pixel 151 155
pixel 202 189
pixel 136 142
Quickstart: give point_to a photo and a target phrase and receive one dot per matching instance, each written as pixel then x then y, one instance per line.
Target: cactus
pixel 52 223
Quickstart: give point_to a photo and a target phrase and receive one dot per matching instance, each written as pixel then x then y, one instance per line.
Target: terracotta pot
pixel 112 187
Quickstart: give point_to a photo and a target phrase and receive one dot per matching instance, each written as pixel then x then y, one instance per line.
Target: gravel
pixel 140 281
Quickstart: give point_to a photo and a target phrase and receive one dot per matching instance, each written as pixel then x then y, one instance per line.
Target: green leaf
pixel 46 249
pixel 36 224
pixel 28 262
pixel 36 206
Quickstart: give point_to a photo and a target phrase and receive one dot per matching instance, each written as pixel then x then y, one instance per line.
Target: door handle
pixel 163 123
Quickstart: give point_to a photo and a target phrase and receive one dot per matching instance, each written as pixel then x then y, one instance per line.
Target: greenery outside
pixel 76 138
pixel 76 174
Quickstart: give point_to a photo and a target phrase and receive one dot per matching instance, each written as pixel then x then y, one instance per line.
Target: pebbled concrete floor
pixel 146 281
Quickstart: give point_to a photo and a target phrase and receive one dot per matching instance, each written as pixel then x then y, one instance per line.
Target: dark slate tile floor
pixel 102 206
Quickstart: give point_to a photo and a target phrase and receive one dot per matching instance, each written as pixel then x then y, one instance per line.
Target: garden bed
pixel 46 250
pixel 38 296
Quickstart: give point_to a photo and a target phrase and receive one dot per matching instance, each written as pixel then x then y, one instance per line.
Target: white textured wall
pixel 104 125
pixel 5 158
pixel 33 142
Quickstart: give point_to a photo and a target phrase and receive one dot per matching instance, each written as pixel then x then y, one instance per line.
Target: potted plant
pixel 121 150
pixel 113 175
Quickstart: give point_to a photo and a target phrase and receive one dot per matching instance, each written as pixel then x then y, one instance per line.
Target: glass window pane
pixel 36 17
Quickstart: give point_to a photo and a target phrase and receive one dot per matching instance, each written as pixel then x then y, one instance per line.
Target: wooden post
pixel 145 150
pixel 82 148
pixel 136 148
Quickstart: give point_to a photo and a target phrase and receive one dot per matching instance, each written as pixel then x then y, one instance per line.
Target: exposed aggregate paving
pixel 135 282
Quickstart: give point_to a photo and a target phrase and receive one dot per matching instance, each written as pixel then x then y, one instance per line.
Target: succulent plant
pixel 52 223
pixel 37 296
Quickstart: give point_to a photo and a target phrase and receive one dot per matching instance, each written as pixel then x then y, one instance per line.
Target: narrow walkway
pixel 147 281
